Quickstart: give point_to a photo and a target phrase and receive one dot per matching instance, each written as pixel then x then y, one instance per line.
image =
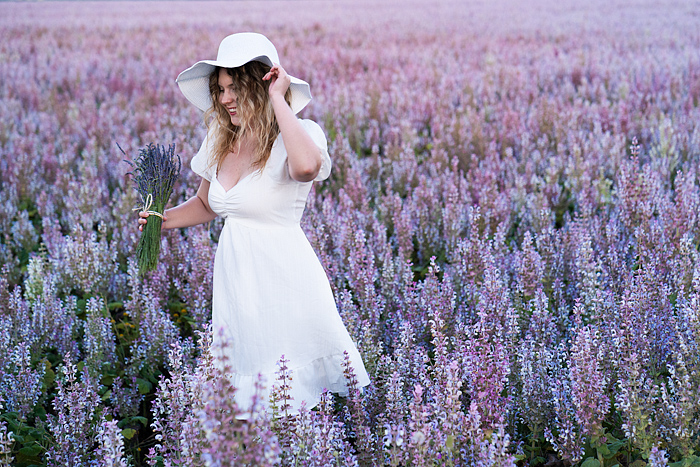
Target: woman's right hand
pixel 143 219
pixel 194 211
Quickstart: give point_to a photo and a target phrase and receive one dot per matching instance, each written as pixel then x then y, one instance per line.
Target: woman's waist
pixel 261 222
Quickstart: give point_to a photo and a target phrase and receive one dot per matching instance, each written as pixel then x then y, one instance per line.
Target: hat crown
pixel 238 49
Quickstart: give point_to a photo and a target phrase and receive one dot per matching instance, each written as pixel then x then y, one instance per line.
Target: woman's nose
pixel 228 97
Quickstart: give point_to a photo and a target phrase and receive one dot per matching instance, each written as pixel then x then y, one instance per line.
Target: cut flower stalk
pixel 155 172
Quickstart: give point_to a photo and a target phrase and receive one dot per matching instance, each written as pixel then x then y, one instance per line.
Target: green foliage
pixel 31 437
pixel 692 461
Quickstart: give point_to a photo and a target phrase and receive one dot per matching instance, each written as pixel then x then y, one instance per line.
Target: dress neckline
pixel 240 180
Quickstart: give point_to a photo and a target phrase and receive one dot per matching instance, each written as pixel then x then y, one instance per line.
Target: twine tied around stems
pixel 147 206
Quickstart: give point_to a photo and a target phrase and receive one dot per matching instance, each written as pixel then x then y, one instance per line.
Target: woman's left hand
pixel 279 81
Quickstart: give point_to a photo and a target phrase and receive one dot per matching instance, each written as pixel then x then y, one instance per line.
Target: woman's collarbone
pixel 236 167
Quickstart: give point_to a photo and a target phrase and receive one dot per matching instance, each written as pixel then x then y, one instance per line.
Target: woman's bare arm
pixel 303 156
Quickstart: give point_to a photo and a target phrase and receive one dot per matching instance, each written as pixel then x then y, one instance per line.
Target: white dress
pixel 271 294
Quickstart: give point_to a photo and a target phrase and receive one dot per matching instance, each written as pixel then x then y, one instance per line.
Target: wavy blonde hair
pixel 254 110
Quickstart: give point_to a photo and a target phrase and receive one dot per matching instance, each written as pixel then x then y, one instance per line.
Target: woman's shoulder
pixel 202 162
pixel 277 163
pixel 313 129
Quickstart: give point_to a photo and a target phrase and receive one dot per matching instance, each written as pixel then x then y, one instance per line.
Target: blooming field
pixel 511 231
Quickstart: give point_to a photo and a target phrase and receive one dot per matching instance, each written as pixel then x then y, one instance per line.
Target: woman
pixel 271 295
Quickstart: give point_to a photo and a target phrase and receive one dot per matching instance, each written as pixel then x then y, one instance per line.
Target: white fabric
pixel 271 294
pixel 234 51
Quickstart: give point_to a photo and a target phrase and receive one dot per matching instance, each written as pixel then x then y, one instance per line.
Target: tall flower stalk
pixel 155 172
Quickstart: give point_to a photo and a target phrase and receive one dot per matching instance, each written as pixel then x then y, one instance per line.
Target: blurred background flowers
pixel 510 228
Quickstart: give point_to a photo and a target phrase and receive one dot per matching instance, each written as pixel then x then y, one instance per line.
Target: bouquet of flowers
pixel 155 171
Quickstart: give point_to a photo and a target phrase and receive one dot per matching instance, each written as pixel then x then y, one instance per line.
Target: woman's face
pixel 227 96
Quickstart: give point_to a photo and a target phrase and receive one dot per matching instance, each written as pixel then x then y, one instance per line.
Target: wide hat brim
pixel 237 50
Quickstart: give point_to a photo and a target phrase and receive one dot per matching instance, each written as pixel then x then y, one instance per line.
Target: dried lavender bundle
pixel 155 172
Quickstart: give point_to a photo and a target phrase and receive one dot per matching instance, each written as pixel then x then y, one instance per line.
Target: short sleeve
pixel 201 163
pixel 317 135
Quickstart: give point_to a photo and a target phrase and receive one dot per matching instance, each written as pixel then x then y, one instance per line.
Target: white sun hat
pixel 234 51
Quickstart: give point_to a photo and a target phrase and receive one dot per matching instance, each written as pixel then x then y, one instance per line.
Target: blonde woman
pixel 271 295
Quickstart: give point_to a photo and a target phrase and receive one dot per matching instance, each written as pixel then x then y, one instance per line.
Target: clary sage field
pixel 511 231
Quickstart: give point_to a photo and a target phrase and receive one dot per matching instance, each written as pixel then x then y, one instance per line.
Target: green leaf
pixel 153 377
pixel 638 463
pixel 144 386
pixel 614 447
pixel 33 450
pixel 107 380
pixel 49 375
pixel 35 433
pixel 128 433
pixel 603 450
pixel 597 442
pixel 692 461
pixel 81 304
pixel 23 460
pixel 39 412
pixel 591 462
pixel 108 369
pixel 142 420
pixel 12 423
pixel 450 442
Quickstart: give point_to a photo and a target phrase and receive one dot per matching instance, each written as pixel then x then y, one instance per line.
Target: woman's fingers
pixel 274 71
pixel 143 219
pixel 279 80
